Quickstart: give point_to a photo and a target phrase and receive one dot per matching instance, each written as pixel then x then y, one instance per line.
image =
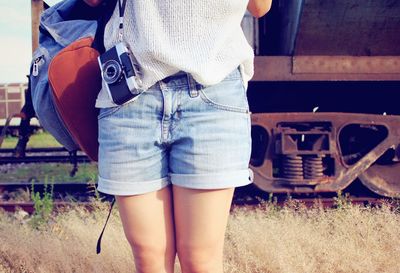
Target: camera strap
pixel 121 7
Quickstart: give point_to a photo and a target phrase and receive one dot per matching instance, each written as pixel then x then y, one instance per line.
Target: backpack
pixel 64 74
pixel 65 77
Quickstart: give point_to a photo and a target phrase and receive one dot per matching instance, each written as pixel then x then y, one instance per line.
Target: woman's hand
pixel 93 3
pixel 259 8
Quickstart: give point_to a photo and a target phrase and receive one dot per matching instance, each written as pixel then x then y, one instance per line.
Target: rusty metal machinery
pixel 325 152
pixel 344 57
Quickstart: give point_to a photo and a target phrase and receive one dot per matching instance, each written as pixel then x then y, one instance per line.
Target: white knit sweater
pixel 201 37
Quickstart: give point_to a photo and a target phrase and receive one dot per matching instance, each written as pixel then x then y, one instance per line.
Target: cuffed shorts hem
pixel 212 180
pixel 131 188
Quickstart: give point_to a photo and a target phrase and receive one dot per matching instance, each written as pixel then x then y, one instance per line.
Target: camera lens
pixel 111 71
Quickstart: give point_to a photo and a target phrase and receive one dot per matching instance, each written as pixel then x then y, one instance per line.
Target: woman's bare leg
pixel 200 222
pixel 148 225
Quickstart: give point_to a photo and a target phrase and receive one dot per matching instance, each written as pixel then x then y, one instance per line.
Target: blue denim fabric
pixel 177 132
pixel 56 33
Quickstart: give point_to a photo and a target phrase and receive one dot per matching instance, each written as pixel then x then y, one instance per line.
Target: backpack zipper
pixel 36 63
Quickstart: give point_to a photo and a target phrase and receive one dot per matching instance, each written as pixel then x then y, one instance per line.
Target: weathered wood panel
pixel 286 68
pixel 346 65
pixel 14 107
pixel 2 93
pixel 3 110
pixel 349 27
pixel 14 96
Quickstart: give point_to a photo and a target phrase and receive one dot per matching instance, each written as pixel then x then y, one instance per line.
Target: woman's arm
pixel 259 8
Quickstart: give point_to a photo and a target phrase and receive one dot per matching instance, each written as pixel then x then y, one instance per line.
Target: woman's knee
pixel 196 259
pixel 147 257
pixel 148 226
pixel 152 257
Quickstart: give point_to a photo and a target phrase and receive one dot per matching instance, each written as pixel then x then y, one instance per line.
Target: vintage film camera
pixel 120 72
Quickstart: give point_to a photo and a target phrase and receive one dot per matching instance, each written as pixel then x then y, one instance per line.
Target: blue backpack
pixel 60 26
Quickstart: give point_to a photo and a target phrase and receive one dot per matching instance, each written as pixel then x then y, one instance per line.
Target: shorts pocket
pixel 229 94
pixel 107 111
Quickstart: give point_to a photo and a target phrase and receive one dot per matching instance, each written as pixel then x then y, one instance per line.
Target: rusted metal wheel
pixel 383 179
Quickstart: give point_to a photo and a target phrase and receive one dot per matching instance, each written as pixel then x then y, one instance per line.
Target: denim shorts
pixel 178 132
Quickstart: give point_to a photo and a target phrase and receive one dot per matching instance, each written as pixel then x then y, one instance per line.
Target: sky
pixel 15 39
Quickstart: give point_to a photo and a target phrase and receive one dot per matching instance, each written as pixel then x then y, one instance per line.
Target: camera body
pixel 120 74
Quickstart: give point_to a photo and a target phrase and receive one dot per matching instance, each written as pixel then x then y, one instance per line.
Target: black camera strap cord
pixel 121 7
pixel 98 247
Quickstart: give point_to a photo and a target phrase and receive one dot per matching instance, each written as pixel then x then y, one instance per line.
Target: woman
pixel 173 155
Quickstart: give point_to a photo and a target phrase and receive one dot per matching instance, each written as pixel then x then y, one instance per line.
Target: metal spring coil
pixel 292 167
pixel 313 167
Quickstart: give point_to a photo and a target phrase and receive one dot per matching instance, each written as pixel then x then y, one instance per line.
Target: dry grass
pixel 291 240
pixel 268 239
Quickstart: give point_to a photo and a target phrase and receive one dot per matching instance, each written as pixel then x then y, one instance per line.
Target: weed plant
pixel 43 204
pixel 342 201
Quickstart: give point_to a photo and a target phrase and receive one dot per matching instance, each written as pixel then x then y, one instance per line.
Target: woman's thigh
pixel 200 222
pixel 147 220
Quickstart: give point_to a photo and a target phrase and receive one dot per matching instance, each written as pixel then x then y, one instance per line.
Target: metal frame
pixel 344 173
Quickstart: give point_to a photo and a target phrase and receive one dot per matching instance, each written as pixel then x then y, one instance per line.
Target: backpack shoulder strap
pixel 107 7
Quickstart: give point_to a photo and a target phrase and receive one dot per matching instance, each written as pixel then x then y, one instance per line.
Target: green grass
pixel 37 140
pixel 57 172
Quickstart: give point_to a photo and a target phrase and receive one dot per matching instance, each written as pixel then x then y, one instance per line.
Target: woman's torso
pixel 203 38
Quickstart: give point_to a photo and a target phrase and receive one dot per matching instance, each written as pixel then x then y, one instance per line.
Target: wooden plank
pixel 346 64
pixel 280 68
pixel 3 110
pixel 14 96
pixel 2 94
pixel 14 107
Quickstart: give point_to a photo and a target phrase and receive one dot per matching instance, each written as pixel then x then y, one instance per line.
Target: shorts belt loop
pixel 193 92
